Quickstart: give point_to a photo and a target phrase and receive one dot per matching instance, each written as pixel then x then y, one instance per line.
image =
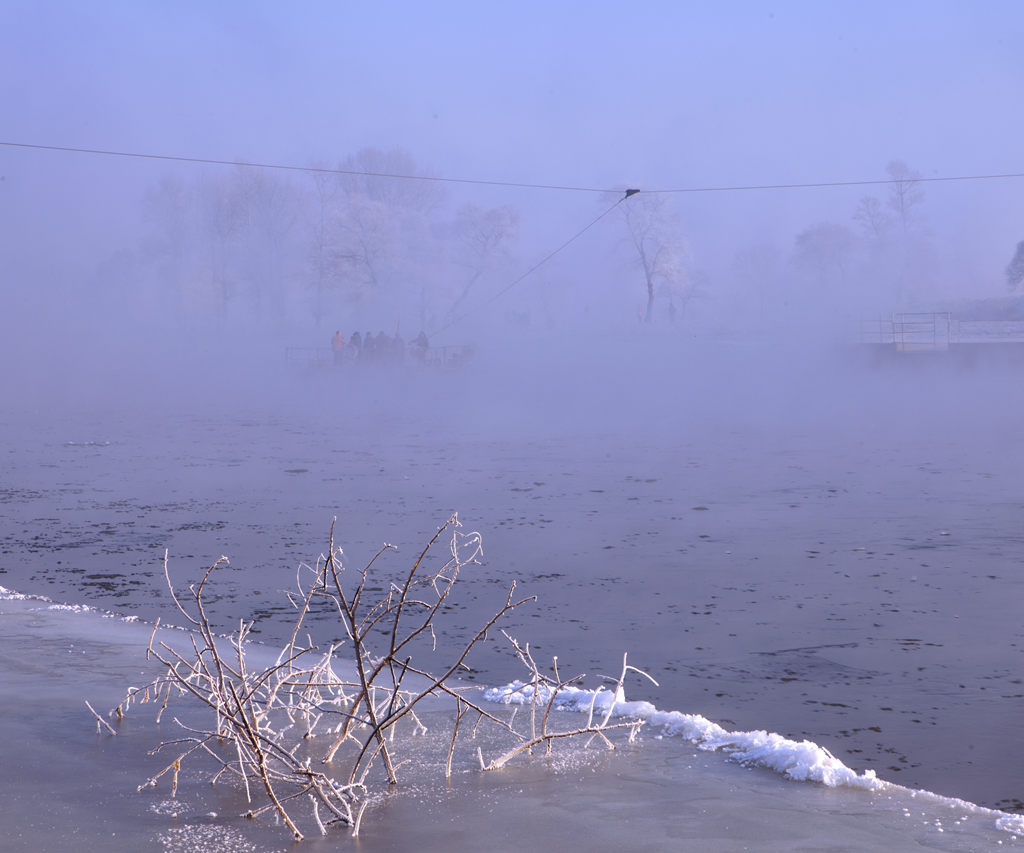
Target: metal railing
pixel 910 332
pixel 989 331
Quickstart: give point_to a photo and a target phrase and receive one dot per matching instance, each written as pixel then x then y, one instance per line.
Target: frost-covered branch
pixel 302 740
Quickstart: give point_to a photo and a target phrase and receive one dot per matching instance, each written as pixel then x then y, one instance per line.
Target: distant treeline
pixel 319 246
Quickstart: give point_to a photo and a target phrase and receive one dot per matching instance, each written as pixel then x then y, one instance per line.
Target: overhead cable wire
pixel 321 170
pixel 494 297
pixel 824 184
pixel 519 184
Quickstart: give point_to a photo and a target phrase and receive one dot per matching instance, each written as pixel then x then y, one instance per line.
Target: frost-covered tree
pixel 825 249
pixel 382 222
pixel 324 271
pixel 905 192
pixel 656 236
pixel 224 239
pixel 250 245
pixel 480 238
pixel 220 216
pixel 870 215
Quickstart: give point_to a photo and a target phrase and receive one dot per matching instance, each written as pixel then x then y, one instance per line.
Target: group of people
pixel 379 349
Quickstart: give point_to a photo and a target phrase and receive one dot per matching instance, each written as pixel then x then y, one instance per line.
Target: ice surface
pixel 65 786
pixel 803 761
pixel 835 563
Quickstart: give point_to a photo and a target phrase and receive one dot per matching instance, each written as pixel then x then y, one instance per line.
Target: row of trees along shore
pixel 313 245
pixel 345 241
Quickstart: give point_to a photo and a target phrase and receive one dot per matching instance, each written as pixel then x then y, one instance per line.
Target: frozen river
pixel 829 561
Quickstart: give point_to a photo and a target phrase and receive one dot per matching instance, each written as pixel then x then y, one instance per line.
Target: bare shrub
pixel 264 720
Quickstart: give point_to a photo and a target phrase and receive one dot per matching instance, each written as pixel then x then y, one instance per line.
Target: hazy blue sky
pixel 665 93
pixel 657 94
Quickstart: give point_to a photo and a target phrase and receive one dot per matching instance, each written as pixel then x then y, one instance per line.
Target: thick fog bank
pixel 630 382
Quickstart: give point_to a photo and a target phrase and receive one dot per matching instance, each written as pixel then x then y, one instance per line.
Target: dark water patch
pixel 19 495
pixel 569 535
pixel 202 526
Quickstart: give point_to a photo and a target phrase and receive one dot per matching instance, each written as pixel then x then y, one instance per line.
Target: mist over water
pixel 659 410
pixel 789 535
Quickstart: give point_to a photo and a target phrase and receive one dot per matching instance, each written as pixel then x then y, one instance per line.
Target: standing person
pixel 369 350
pixel 420 346
pixel 338 345
pixel 383 348
pixel 356 345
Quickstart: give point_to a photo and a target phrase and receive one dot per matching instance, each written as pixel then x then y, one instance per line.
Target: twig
pixel 100 720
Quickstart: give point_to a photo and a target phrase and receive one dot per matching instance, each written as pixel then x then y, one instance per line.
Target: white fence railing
pixel 911 331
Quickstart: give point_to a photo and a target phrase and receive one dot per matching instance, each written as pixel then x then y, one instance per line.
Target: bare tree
pixel 325 192
pixel 481 239
pixel 825 249
pixel 382 219
pixel 220 215
pixel 655 234
pixel 872 218
pixel 905 192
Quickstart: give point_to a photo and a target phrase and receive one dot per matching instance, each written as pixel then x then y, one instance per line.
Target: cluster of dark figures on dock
pixel 378 349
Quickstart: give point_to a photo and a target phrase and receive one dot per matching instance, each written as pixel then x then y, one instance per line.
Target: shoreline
pixel 54 654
